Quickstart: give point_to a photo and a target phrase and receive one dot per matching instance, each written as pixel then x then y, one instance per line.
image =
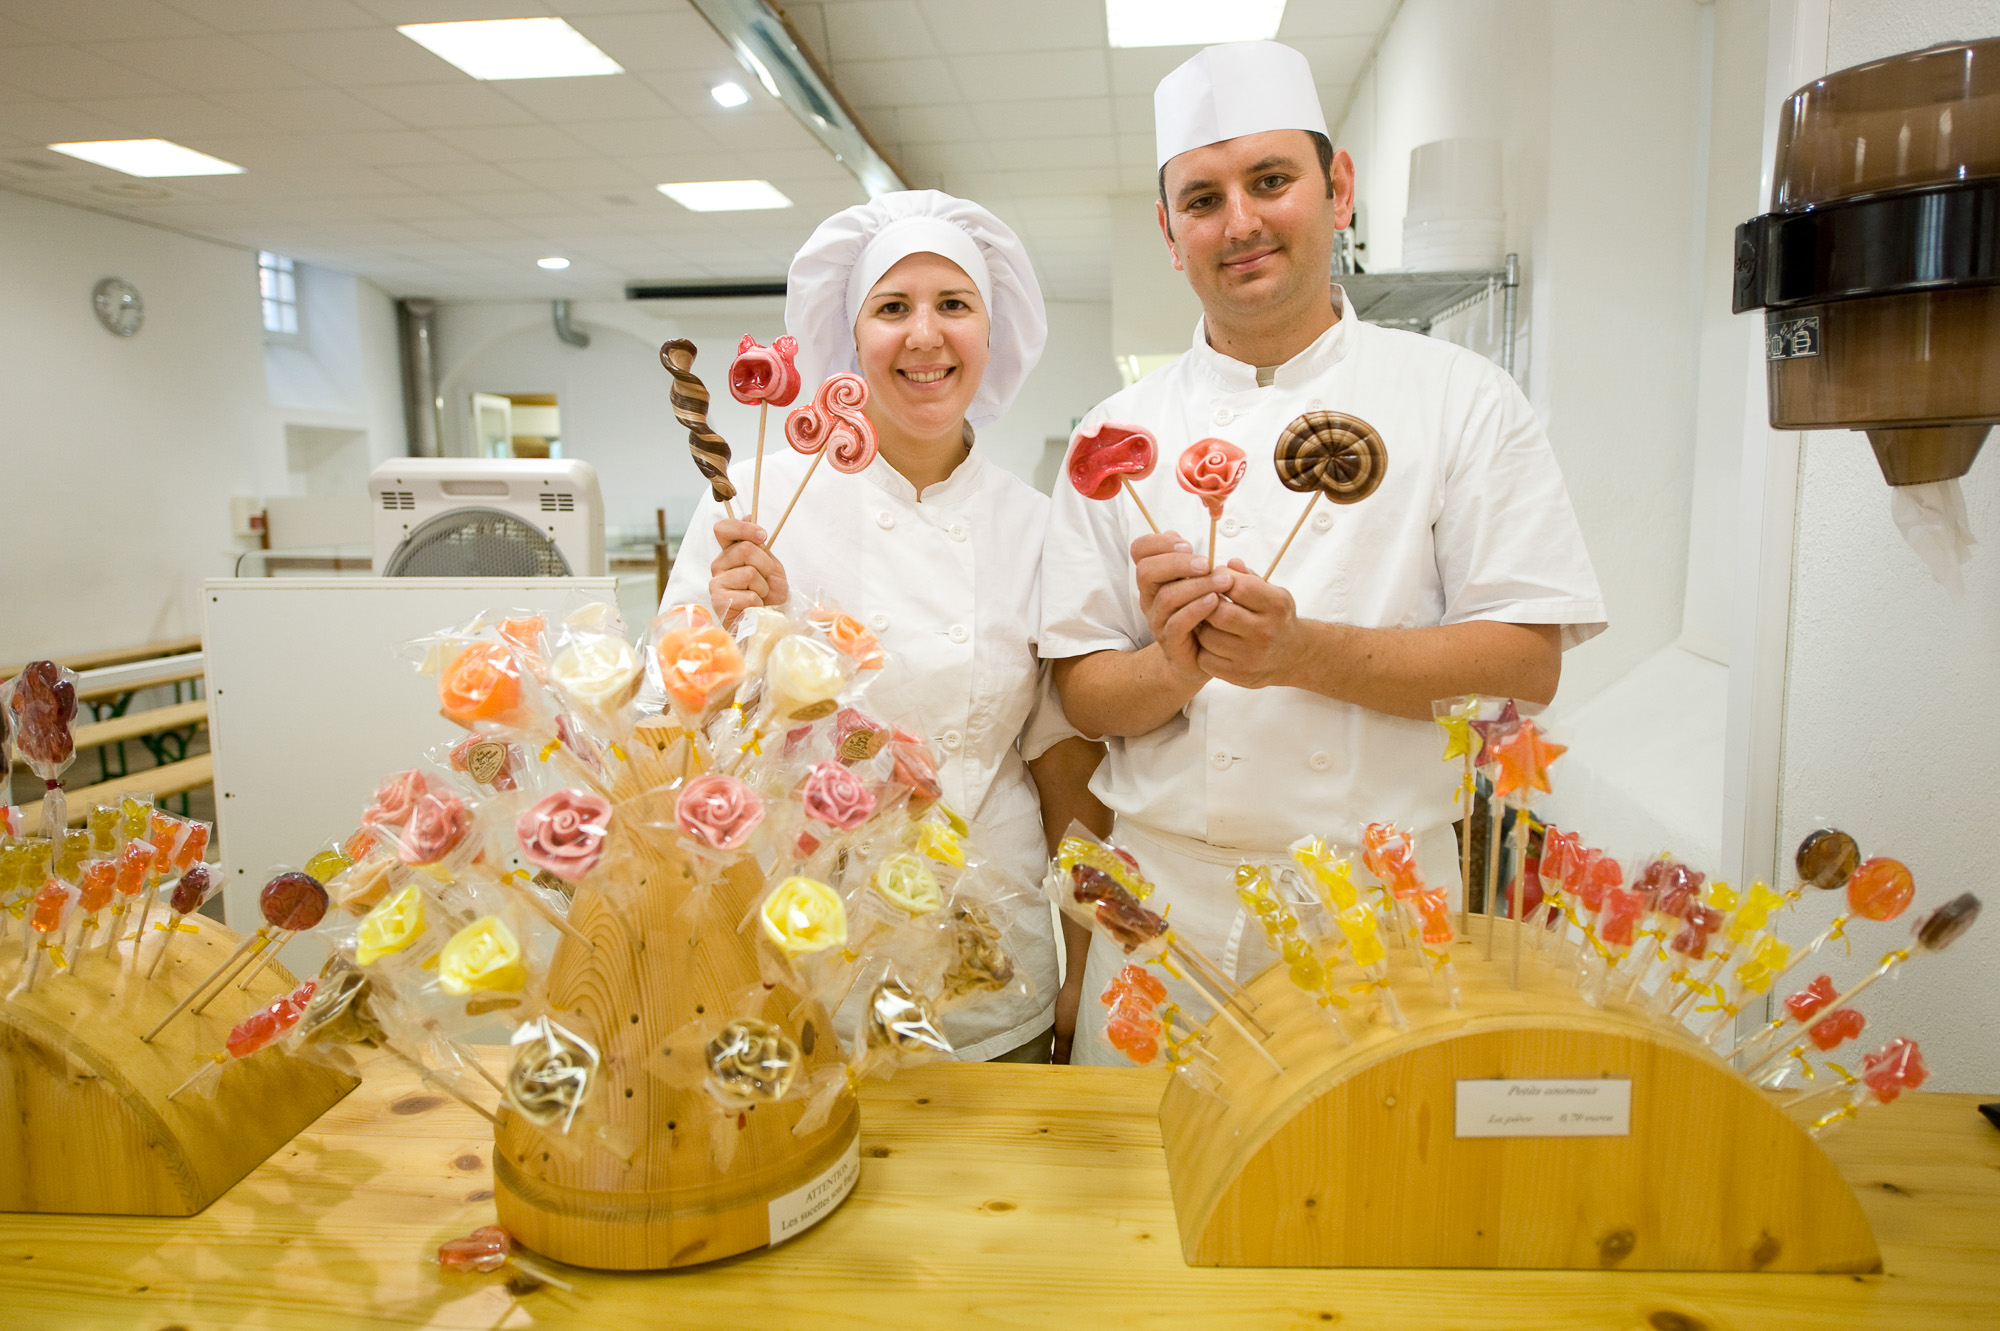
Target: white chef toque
pixel 1225 92
pixel 832 273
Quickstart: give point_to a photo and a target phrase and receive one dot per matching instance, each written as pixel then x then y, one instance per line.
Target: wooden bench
pixel 160 782
pixel 144 651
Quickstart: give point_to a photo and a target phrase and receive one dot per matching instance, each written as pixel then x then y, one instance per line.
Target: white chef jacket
pixel 1471 521
pixel 948 586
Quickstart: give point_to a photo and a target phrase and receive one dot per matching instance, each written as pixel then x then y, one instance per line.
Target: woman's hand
pixel 744 574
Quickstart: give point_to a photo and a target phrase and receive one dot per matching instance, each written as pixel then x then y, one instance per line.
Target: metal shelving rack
pixel 1418 300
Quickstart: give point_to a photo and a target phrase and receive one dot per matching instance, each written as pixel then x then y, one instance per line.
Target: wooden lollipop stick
pixel 270 954
pixel 216 992
pixel 1288 537
pixel 795 499
pixel 1520 883
pixel 432 1079
pixel 1464 852
pixel 1845 1000
pixel 194 993
pixel 1142 507
pixel 1495 815
pixel 1213 974
pixel 1213 519
pixel 533 900
pixel 757 471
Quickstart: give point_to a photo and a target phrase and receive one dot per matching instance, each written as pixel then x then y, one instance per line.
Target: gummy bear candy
pixel 1830 1032
pixel 1811 999
pixel 267 1024
pixel 1894 1068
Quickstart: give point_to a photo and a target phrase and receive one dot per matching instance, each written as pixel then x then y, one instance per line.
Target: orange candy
pixel 1881 889
pixel 165 832
pixel 482 683
pixel 100 878
pixel 698 663
pixel 50 904
pixel 193 847
pixel 134 859
pixel 852 640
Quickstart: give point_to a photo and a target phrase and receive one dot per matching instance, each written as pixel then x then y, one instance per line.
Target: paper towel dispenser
pixel 1878 266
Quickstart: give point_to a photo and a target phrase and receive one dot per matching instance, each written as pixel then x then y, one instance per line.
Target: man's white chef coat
pixel 1471 521
pixel 948 586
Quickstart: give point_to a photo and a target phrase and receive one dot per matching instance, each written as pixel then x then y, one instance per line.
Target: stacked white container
pixel 1454 221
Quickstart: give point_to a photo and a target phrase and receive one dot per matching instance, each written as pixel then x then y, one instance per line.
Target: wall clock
pixel 118 306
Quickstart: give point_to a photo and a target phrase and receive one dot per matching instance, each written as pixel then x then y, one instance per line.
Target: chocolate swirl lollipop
pixel 1328 453
pixel 690 402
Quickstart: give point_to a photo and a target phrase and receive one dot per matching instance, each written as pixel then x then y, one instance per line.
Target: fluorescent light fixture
pixel 554 263
pixel 729 94
pixel 149 157
pixel 513 48
pixel 1191 22
pixel 725 196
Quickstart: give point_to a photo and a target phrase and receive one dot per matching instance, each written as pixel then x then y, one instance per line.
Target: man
pixel 1242 713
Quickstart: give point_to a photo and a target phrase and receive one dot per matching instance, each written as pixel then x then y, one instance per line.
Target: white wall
pixel 1888 679
pixel 614 394
pixel 122 454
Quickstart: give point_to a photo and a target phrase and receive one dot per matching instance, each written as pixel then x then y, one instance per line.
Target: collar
pixel 1326 350
pixel 962 483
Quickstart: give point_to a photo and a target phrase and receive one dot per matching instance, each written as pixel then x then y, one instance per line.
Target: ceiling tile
pixel 1136 72
pixel 466 228
pixel 621 138
pixel 306 110
pixel 866 83
pixel 877 30
pixel 100 20
pixel 511 143
pixel 1350 18
pixel 976 27
pixel 241 16
pixel 456 178
pixel 53 122
pixel 606 97
pixel 180 117
pixel 386 147
pixel 201 64
pixel 418 208
pixel 1052 116
pixel 1052 74
pixel 1336 59
pixel 1054 153
pixel 647 43
pixel 71 71
pixel 358 58
pixel 578 173
pixel 446 105
pixel 952 123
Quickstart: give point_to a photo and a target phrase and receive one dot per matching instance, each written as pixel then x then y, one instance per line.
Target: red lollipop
pixel 767 377
pixel 1894 1068
pixel 1109 458
pixel 1210 470
pixel 1881 889
pixel 833 423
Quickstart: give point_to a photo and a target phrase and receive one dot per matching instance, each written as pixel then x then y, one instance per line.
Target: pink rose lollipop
pixel 767 377
pixel 1210 470
pixel 833 423
pixel 836 797
pixel 718 810
pixel 1109 458
pixel 564 833
pixel 438 822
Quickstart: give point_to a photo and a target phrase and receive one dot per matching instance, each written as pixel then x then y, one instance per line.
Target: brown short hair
pixel 1321 145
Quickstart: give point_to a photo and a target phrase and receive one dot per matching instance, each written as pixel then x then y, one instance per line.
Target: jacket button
pixel 958 633
pixel 1319 762
pixel 885 520
pixel 950 739
pixel 957 531
pixel 879 621
pixel 1322 521
pixel 1224 415
pixel 1219 761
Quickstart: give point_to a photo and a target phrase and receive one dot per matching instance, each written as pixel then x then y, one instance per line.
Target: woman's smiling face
pixel 922 340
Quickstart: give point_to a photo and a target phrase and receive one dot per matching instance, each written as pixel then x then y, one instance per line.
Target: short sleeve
pixel 1508 544
pixel 1046 726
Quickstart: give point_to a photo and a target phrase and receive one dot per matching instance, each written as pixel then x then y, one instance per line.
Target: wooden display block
pixel 646 977
pixel 1352 1157
pixel 85 1122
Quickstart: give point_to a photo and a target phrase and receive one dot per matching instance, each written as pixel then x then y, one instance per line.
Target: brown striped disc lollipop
pixel 690 402
pixel 1328 453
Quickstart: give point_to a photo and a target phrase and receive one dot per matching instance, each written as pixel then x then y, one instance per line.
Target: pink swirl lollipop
pixel 1109 458
pixel 764 376
pixel 767 377
pixel 833 423
pixel 1210 470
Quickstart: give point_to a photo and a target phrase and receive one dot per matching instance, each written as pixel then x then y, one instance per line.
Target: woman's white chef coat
pixel 1472 521
pixel 949 587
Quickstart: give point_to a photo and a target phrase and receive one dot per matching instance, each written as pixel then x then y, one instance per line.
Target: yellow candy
pixel 392 926
pixel 1334 876
pixel 1072 851
pixel 803 915
pixel 951 815
pixel 103 822
pixel 138 816
pixel 1755 912
pixel 1722 896
pixel 1306 970
pixel 940 843
pixel 483 955
pixel 75 848
pixel 1358 923
pixel 907 883
pixel 328 865
pixel 1757 973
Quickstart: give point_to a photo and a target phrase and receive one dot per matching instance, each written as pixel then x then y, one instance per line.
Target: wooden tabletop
pixel 990 1195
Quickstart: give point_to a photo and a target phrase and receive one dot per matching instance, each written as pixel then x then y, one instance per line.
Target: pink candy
pixel 834 421
pixel 1210 470
pixel 762 374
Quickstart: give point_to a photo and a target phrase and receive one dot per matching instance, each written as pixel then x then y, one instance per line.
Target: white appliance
pixel 487 518
pixel 1454 221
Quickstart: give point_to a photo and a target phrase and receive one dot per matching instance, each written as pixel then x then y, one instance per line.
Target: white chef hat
pixel 848 253
pixel 1225 92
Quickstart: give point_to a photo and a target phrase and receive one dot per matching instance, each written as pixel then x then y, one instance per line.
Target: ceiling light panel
pixel 725 196
pixel 729 94
pixel 513 48
pixel 1191 22
pixel 148 157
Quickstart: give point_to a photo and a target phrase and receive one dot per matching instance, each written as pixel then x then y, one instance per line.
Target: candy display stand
pixel 86 1125
pixel 646 977
pixel 1353 1156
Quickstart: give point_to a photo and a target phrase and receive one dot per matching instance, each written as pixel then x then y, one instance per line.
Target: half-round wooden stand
pixel 85 1122
pixel 645 978
pixel 1352 1157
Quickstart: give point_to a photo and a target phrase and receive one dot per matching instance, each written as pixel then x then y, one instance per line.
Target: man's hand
pixel 1253 638
pixel 1176 593
pixel 744 574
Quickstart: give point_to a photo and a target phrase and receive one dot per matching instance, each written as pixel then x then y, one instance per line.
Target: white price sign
pixel 1545 1107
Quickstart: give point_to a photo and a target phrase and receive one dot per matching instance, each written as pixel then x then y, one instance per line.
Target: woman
pixel 933 301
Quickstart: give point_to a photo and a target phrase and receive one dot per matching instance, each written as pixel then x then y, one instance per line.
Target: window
pixel 278 283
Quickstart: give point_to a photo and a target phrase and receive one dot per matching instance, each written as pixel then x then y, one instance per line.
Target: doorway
pixel 516 425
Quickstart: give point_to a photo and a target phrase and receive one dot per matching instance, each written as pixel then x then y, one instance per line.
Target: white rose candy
pixel 599 674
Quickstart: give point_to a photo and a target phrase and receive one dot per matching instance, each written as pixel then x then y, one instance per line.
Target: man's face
pixel 1249 221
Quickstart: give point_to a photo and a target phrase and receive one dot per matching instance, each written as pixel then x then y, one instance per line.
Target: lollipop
pixel 1109 459
pixel 832 423
pixel 255 1031
pixel 1896 1067
pixel 489 1249
pixel 553 1073
pixel 689 397
pixel 42 699
pixel 48 916
pixel 1210 470
pixel 290 902
pixel 1327 453
pixel 767 377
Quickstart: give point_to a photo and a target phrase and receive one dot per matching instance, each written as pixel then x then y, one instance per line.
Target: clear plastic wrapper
pixel 41 704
